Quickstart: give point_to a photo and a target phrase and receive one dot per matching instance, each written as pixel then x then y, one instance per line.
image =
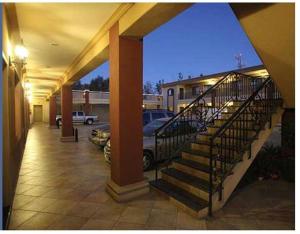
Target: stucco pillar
pixel 52 112
pixel 126 71
pixel 87 106
pixel 66 113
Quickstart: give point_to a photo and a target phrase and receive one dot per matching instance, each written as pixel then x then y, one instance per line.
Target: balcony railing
pixel 152 97
pixel 99 97
pixel 188 95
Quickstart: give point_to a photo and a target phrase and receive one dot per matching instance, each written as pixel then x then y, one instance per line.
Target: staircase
pixel 223 130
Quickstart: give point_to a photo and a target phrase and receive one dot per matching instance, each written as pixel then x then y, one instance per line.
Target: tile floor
pixel 62 186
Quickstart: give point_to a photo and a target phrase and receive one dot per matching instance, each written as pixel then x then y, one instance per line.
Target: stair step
pixel 193 164
pixel 192 202
pixel 213 129
pixel 196 152
pixel 205 143
pixel 248 129
pixel 188 179
pixel 209 135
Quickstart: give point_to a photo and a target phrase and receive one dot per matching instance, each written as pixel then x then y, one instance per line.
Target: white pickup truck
pixel 79 117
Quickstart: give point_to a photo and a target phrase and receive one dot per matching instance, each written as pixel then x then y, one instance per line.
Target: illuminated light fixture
pixel 28 85
pixel 20 54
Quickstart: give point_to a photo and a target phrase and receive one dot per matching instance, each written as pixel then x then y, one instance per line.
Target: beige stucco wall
pixel 271 30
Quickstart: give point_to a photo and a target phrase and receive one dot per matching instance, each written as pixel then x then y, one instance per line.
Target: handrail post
pixel 155 157
pixel 76 135
pixel 210 178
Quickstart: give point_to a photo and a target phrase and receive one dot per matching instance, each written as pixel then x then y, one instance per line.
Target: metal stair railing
pixel 235 137
pixel 181 129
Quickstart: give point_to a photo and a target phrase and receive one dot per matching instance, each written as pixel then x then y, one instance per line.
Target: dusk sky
pixel 203 39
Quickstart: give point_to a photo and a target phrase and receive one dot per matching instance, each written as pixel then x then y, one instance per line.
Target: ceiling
pixel 55 34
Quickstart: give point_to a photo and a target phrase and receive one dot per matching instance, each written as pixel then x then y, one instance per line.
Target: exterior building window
pixel 170 92
pixel 196 91
pixel 181 93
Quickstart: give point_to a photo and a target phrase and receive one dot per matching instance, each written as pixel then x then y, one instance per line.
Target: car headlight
pixel 105 134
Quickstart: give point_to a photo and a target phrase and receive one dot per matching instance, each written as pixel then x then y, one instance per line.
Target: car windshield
pixel 151 127
pixel 104 127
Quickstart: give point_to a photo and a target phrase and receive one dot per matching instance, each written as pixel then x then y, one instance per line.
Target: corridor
pixel 62 186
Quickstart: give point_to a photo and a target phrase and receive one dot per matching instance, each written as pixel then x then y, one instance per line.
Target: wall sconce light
pixel 27 85
pixel 20 54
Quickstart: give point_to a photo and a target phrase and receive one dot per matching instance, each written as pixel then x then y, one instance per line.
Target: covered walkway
pixel 62 186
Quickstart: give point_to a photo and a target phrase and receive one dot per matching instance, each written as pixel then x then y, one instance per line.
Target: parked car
pixel 100 135
pixel 79 117
pixel 149 139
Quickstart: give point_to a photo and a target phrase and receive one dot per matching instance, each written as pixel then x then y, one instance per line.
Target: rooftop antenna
pixel 239 59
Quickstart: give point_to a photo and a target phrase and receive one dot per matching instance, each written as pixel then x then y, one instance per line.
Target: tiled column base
pixel 67 139
pixel 128 192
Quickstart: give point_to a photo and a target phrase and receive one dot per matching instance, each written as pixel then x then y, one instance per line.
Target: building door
pixel 37 113
pixel 181 93
pixel 170 100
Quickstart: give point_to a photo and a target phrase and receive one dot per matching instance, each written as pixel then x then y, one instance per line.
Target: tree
pixel 148 88
pixel 99 84
pixel 77 85
pixel 158 86
pixel 96 84
pixel 180 76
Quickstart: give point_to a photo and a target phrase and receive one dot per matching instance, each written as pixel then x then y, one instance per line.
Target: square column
pixel 52 112
pixel 126 78
pixel 87 106
pixel 66 114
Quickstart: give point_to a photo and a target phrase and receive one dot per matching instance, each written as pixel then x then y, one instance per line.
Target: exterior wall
pixel 177 102
pixel 14 114
pixel 102 111
pixel 165 96
pixel 203 83
pixel 273 40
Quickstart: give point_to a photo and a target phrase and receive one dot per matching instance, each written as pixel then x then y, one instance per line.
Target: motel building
pixel 89 102
pixel 199 156
pixel 177 95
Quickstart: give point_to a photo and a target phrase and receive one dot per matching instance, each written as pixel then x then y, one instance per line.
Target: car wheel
pixel 89 121
pixel 147 160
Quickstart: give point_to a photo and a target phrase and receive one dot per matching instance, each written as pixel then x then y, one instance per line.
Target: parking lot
pixel 62 186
